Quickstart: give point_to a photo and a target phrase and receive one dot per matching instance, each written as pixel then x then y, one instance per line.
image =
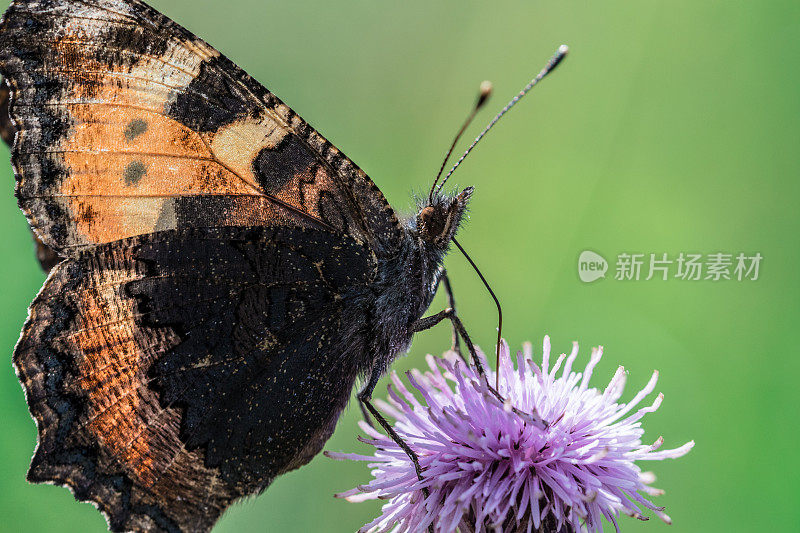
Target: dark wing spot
pixel 274 167
pixel 134 172
pixel 135 128
pixel 212 100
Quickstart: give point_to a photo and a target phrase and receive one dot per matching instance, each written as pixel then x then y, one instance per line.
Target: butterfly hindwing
pixel 129 124
pixel 82 359
pixel 164 409
pixel 261 362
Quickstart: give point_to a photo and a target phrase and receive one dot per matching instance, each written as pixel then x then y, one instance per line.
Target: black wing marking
pixel 267 322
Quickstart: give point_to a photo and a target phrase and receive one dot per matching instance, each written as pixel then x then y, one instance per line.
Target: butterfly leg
pixel 365 412
pixel 365 399
pixel 449 314
pixel 451 303
pixel 458 328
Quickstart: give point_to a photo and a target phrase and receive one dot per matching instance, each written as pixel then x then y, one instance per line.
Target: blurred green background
pixel 672 127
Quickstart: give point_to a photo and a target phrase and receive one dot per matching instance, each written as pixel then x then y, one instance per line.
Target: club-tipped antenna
pixel 551 65
pixel 483 96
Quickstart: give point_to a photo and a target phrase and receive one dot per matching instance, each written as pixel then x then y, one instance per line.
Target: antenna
pixel 483 96
pixel 551 65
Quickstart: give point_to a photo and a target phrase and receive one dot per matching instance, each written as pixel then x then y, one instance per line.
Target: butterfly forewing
pixel 130 124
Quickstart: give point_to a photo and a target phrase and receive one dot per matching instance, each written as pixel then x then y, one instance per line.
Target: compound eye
pixel 432 223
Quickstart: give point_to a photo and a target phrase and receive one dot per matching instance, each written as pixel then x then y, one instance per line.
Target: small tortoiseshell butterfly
pixel 227 273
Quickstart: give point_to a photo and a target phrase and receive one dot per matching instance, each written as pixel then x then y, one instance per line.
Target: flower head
pixel 556 455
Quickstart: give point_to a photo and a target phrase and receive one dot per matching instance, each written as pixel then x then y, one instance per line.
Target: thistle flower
pixel 556 456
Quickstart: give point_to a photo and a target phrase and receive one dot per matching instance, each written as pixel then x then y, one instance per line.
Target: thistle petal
pixel 488 468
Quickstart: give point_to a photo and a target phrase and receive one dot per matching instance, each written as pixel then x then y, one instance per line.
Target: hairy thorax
pixel 404 289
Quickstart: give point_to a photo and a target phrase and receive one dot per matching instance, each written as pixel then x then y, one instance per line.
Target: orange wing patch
pixel 110 371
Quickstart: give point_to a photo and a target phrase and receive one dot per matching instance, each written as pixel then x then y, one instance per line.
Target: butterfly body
pixel 228 274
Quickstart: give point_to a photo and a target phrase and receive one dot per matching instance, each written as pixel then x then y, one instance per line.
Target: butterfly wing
pixel 160 397
pixel 162 408
pixel 46 256
pixel 129 124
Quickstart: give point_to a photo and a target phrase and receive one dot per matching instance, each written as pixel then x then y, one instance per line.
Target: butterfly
pixel 227 275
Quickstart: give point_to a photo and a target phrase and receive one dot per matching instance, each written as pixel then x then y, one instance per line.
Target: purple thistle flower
pixel 488 466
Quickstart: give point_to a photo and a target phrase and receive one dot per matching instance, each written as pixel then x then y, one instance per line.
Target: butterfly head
pixel 438 220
